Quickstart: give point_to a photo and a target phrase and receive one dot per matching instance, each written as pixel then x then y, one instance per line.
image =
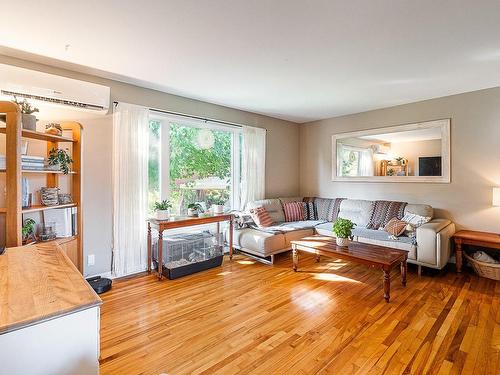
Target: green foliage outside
pixel 188 163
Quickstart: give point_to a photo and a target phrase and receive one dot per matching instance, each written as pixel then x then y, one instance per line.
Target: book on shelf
pixel 28 162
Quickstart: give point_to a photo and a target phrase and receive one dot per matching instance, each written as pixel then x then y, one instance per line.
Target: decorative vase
pixel 49 196
pixel 218 208
pixel 29 122
pixel 192 212
pixel 162 214
pixel 342 242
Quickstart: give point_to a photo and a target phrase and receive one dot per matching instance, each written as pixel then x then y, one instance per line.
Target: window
pixel 194 162
pixel 350 162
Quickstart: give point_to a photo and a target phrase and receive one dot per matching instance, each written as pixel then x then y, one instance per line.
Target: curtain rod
pixel 193 117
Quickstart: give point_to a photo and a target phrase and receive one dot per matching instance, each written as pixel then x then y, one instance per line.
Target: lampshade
pixel 496 196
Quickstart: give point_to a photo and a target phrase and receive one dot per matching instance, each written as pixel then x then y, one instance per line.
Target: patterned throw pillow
pixel 416 220
pixel 395 227
pixel 310 211
pixel 261 217
pixel 294 211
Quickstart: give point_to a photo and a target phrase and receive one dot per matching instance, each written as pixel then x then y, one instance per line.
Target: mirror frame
pixel 444 124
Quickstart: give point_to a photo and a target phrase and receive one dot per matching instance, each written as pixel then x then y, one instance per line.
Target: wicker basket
pixel 483 269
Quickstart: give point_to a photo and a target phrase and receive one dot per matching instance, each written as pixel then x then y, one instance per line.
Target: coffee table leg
pixel 404 268
pixel 387 285
pixel 295 257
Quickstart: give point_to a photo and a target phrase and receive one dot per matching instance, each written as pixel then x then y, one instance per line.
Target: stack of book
pixel 32 163
pixel 28 162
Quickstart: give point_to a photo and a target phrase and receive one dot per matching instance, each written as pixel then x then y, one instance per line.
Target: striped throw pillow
pixel 261 217
pixel 294 211
pixel 310 211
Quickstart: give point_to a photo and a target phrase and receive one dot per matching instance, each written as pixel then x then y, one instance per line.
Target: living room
pixel 318 180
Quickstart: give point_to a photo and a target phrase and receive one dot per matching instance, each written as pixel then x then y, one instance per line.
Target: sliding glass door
pixel 194 162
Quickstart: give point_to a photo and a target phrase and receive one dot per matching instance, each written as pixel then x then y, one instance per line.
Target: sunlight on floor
pixel 224 273
pixel 310 300
pixel 245 262
pixel 334 277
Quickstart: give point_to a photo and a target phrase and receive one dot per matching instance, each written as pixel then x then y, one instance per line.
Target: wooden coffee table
pixel 385 258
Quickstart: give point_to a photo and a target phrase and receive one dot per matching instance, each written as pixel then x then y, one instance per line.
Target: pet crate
pixel 186 253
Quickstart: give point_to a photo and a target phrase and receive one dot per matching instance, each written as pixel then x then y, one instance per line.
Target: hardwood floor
pixel 328 318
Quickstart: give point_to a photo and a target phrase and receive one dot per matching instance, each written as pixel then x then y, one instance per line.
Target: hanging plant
pixel 61 158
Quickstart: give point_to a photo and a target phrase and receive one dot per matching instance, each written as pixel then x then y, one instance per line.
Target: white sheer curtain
pixel 130 188
pixel 253 169
pixel 366 167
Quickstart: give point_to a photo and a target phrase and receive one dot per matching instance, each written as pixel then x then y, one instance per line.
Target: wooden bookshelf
pixel 31 134
pixel 14 173
pixel 44 171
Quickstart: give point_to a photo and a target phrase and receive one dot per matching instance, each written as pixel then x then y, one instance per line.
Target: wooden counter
pixel 39 283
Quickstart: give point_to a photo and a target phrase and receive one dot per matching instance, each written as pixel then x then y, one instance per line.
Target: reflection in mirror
pixel 414 150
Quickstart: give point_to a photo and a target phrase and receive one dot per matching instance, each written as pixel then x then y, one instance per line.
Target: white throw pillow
pixel 416 220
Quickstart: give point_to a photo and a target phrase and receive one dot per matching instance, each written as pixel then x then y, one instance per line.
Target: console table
pixel 475 238
pixel 182 222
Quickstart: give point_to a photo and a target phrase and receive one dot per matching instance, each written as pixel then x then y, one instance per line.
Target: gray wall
pixel 475 157
pixel 282 176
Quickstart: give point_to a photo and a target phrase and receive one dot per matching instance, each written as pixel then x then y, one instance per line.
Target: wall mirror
pixel 417 152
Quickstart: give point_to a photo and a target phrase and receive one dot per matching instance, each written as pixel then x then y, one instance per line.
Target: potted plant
pixel 60 159
pixel 27 110
pixel 342 228
pixel 217 200
pixel 218 205
pixel 162 209
pixel 194 209
pixel 28 231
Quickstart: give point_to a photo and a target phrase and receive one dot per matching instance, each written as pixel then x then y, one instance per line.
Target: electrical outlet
pixel 91 260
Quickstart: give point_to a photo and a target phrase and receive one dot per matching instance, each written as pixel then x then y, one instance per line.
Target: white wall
pixel 282 176
pixel 475 157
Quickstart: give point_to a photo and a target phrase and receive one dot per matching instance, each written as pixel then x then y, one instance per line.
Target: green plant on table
pixel 26 107
pixel 163 205
pixel 61 158
pixel 343 228
pixel 28 228
pixel 195 207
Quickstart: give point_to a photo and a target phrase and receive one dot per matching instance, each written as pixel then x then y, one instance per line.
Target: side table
pixel 475 238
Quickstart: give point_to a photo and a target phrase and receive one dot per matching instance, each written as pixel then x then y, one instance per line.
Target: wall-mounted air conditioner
pixel 381 149
pixel 53 89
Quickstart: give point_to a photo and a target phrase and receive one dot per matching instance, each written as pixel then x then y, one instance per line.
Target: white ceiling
pixel 296 60
pixel 416 135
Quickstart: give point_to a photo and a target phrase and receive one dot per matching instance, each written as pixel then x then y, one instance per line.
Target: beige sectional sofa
pixel 429 248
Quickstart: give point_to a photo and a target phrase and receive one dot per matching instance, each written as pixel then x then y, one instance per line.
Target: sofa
pixel 429 245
